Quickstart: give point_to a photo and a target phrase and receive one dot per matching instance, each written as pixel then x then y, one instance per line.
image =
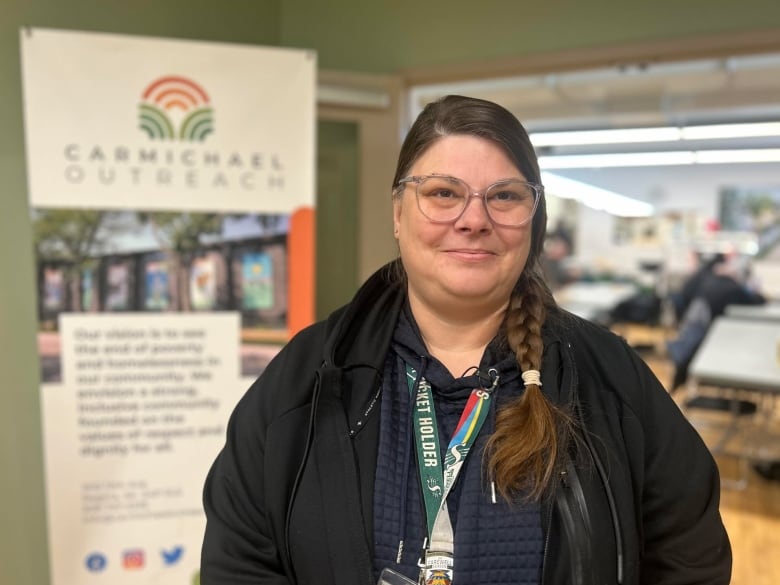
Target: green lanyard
pixel 435 479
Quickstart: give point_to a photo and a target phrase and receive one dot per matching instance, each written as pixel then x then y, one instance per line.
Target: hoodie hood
pixel 349 344
pixel 408 344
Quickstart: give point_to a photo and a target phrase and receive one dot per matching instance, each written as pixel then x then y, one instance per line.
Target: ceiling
pixel 745 88
pixel 714 91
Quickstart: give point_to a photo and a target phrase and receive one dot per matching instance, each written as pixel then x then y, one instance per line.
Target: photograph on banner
pixel 118 261
pixel 171 190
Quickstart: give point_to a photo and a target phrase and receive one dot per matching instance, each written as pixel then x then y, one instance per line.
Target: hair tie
pixel 531 377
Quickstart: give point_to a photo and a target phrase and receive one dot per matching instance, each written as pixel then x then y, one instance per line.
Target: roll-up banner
pixel 171 189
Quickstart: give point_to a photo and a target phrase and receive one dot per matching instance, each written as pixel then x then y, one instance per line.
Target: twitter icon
pixel 173 555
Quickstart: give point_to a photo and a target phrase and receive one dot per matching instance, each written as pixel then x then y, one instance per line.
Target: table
pixel 767 312
pixel 589 300
pixel 740 353
pixel 739 360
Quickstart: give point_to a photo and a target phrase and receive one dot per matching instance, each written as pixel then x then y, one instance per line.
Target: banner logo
pixel 176 108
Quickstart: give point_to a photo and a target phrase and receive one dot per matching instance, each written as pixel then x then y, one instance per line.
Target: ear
pixel 397 208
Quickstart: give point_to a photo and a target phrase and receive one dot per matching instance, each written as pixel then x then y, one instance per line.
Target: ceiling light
pixel 722 131
pixel 752 155
pixel 659 134
pixel 618 136
pixel 595 197
pixel 658 159
pixel 630 159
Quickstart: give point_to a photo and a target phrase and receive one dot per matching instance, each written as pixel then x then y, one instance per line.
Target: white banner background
pixel 140 410
pixel 129 436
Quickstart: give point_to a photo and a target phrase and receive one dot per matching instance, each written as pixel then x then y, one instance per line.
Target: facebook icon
pixel 96 562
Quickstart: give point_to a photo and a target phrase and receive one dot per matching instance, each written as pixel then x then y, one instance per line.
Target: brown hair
pixel 528 444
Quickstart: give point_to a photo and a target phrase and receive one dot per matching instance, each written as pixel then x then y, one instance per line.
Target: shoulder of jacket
pixel 580 334
pixel 605 361
pixel 288 379
pixel 296 364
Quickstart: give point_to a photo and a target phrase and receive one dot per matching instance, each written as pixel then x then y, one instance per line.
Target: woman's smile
pixel 470 254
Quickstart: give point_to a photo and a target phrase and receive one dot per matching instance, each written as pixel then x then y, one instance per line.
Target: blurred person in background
pixel 557 251
pixel 721 281
pixel 451 424
pixel 682 299
pixel 729 283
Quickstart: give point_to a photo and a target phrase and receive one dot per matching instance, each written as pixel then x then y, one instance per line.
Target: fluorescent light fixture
pixel 595 197
pixel 658 159
pixel 723 131
pixel 630 159
pixel 617 136
pixel 747 155
pixel 657 134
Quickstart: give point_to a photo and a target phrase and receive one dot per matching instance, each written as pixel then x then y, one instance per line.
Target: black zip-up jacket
pixel 289 499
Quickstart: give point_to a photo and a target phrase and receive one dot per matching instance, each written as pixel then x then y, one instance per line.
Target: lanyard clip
pixel 488 381
pixel 494 378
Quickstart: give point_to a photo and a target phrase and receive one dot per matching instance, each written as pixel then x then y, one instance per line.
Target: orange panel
pixel 301 270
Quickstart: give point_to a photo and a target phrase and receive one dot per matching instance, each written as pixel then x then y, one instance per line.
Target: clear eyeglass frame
pixel 419 180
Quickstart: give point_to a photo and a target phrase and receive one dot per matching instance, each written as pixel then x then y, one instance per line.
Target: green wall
pixel 385 37
pixel 337 212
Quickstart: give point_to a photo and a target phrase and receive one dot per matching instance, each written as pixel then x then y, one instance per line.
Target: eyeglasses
pixel 443 199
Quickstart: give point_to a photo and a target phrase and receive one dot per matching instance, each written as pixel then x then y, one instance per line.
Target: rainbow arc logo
pixel 176 108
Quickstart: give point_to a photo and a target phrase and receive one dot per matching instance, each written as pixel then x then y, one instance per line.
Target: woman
pixel 451 423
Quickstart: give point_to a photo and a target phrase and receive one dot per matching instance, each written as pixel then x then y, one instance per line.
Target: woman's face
pixel 470 259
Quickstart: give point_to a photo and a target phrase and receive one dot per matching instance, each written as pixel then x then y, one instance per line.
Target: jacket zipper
pixel 612 507
pixel 548 520
pixel 561 499
pixel 579 540
pixel 299 474
pixel 602 476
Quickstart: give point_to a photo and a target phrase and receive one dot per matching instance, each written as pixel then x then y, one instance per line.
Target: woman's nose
pixel 475 215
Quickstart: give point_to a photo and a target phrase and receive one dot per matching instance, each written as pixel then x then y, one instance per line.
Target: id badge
pixel 390 577
pixel 437 569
